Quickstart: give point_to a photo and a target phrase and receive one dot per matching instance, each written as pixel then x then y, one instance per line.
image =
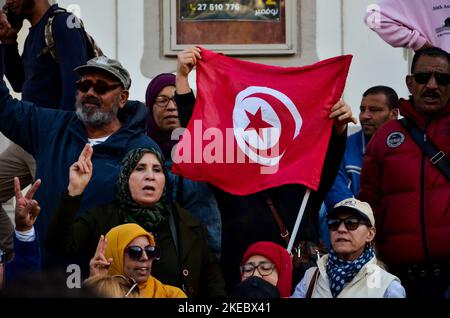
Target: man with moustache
pixel 40 78
pixel 379 104
pixel 104 118
pixel 408 192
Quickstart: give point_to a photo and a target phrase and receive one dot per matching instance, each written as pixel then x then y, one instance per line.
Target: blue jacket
pixel 346 184
pixel 55 138
pixel 27 259
pixel 38 76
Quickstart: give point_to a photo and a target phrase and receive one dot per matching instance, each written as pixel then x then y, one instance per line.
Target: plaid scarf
pixel 147 217
pixel 341 272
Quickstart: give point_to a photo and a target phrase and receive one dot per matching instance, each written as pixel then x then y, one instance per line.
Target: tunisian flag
pixel 256 126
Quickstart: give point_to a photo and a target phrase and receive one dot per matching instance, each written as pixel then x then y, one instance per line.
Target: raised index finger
pixel 99 245
pixel 86 152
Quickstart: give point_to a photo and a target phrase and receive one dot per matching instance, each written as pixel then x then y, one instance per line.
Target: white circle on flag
pixel 269 136
pixel 251 141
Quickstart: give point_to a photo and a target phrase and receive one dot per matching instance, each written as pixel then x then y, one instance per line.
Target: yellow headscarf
pixel 118 238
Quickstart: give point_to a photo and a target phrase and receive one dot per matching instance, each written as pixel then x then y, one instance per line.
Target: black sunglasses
pixel 135 252
pixel 442 79
pixel 351 223
pixel 100 87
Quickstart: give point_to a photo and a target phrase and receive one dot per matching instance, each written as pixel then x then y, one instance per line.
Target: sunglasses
pixel 351 223
pixel 442 79
pixel 135 252
pixel 100 87
pixel 162 101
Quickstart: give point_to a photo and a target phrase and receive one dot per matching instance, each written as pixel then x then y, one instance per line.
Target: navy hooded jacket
pixel 55 138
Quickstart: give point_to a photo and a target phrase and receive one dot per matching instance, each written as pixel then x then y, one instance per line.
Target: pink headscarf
pixel 280 257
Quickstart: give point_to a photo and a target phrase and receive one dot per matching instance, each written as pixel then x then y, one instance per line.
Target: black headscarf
pixel 147 217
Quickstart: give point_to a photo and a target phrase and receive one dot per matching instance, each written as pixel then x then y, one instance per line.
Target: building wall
pixel 131 31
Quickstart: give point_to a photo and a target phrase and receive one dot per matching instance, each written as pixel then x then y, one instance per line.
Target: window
pixel 234 27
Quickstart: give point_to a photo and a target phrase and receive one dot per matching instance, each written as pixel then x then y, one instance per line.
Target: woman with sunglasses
pixel 350 269
pixel 128 252
pixel 270 262
pixel 185 261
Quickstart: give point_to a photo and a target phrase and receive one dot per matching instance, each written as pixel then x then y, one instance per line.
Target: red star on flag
pixel 257 123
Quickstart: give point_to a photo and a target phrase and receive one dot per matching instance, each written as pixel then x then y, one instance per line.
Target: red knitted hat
pixel 280 257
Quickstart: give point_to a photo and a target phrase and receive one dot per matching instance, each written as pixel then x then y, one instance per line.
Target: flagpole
pixel 299 218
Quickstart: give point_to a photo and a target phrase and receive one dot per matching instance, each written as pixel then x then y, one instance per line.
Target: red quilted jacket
pixel 410 197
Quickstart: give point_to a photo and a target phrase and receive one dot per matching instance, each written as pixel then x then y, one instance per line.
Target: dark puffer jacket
pixel 410 197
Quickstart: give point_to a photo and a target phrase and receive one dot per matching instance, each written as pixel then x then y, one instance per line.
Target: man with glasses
pixel 379 104
pixel 104 118
pixel 407 188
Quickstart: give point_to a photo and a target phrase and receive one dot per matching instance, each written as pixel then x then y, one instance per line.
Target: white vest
pixel 370 282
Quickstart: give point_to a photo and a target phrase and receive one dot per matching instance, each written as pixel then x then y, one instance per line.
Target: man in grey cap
pixel 104 118
pixel 103 76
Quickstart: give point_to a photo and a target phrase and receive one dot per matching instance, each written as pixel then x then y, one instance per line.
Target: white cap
pixel 354 205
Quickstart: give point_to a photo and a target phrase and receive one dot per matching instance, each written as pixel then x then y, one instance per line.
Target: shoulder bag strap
pixel 48 35
pixel 437 157
pixel 283 231
pixel 312 283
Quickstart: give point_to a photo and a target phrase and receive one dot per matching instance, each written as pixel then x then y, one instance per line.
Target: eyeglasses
pixel 351 223
pixel 162 101
pixel 135 252
pixel 100 87
pixel 442 79
pixel 264 269
pixel 129 282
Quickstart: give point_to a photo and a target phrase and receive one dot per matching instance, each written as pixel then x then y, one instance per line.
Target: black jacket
pixel 189 264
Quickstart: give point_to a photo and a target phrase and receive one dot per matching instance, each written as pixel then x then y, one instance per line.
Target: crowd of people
pixel 103 194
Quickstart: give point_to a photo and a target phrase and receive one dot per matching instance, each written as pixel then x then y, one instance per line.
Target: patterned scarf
pixel 147 217
pixel 341 272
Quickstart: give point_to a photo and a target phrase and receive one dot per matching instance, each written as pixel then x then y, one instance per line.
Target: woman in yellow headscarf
pixel 129 250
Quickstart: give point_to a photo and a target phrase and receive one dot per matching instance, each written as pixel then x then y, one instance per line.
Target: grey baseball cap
pixel 108 65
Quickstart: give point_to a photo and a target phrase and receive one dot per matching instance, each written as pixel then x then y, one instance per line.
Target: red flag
pixel 256 126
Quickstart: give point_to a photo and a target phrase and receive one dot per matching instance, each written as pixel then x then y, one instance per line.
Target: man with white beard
pixel 104 118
